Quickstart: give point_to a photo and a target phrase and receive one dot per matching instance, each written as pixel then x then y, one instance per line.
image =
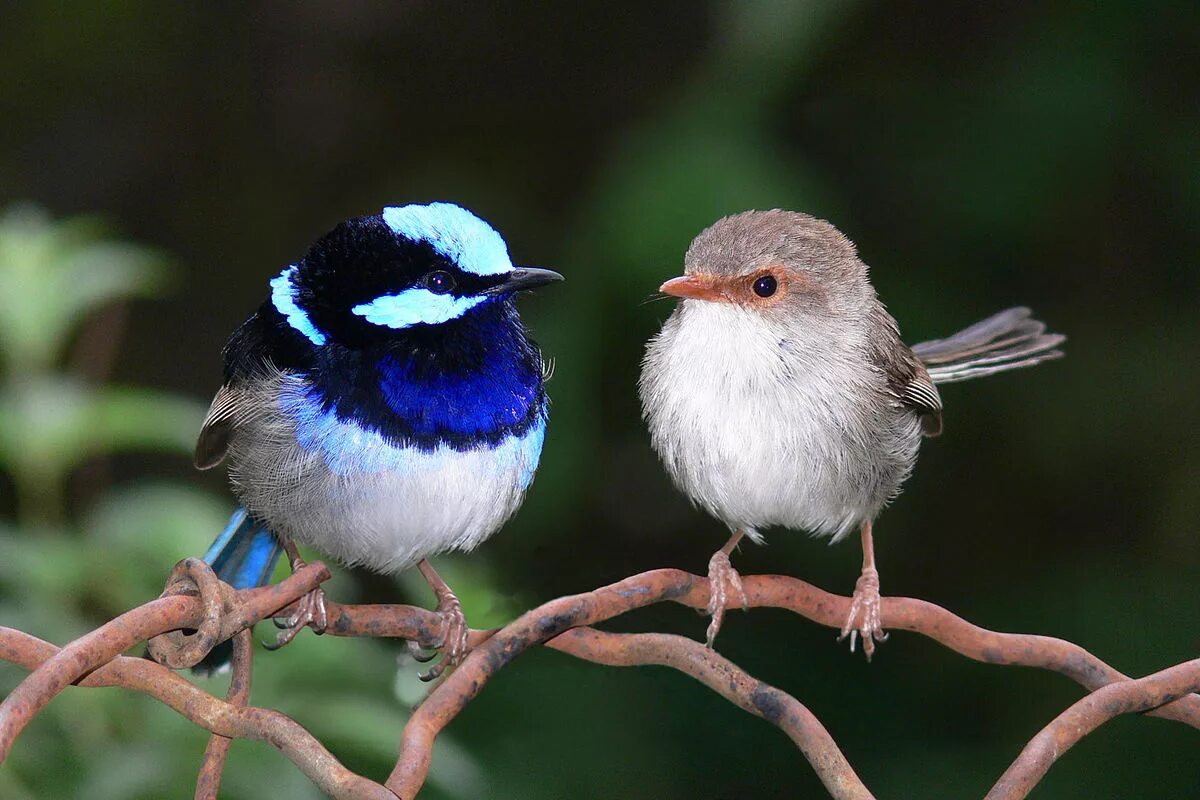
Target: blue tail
pixel 244 556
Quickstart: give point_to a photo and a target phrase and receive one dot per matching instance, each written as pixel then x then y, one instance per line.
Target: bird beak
pixel 524 278
pixel 694 287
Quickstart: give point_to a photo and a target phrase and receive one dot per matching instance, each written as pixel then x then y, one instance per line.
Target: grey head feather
pixel 741 243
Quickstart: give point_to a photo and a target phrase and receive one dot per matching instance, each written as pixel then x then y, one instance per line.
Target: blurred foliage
pixel 979 155
pixel 52 275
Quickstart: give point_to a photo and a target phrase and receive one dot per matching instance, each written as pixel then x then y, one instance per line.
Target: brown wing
pixel 217 428
pixel 908 380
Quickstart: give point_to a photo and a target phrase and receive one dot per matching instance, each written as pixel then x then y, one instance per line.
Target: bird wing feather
pixel 217 428
pixel 908 380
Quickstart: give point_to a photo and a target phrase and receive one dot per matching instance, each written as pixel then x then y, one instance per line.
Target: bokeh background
pixel 158 165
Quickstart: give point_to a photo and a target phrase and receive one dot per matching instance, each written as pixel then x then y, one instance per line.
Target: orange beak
pixel 695 287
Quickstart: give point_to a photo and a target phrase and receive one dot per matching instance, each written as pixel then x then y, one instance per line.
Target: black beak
pixel 524 278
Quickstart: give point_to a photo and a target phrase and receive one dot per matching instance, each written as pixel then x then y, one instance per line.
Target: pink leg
pixel 455 630
pixel 864 610
pixel 723 580
pixel 310 610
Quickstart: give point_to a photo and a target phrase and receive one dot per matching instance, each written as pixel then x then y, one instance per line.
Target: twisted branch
pixel 210 713
pixel 208 783
pixel 195 601
pixel 728 680
pixel 1089 713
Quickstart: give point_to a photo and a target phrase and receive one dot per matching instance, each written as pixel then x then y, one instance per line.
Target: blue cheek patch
pixel 415 307
pixel 283 297
pixel 454 233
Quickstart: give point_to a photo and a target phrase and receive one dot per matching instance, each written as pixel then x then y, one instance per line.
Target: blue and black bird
pixel 385 404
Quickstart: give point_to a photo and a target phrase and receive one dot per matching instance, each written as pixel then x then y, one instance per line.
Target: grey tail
pixel 1009 340
pixel 244 556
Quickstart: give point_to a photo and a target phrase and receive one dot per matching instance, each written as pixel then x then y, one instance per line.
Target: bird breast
pixel 764 425
pixel 358 496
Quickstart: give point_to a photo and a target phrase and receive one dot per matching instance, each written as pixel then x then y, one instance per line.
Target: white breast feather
pixel 761 428
pixel 373 503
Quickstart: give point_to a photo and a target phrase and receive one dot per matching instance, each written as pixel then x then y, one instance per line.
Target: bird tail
pixel 244 556
pixel 1009 340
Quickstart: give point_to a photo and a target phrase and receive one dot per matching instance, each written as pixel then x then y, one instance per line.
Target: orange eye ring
pixel 766 286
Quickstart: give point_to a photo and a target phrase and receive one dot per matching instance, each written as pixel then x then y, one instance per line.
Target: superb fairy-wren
pixel 779 393
pixel 383 405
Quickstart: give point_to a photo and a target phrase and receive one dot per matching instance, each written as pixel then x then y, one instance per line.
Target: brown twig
pixel 210 713
pixel 728 680
pixel 172 612
pixel 81 657
pixel 812 603
pixel 208 782
pixel 194 600
pixel 534 627
pixel 547 621
pixel 1087 714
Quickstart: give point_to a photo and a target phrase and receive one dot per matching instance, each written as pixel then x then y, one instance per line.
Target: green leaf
pixel 54 273
pixel 54 423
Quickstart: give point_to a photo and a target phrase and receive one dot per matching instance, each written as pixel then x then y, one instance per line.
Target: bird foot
pixel 310 613
pixel 453 643
pixel 864 614
pixel 723 581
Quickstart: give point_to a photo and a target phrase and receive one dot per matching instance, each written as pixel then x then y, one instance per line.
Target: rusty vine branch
pixel 197 611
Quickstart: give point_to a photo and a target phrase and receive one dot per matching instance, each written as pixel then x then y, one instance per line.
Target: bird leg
pixel 864 610
pixel 453 643
pixel 723 580
pixel 310 610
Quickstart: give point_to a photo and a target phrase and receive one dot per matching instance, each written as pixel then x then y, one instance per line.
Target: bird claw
pixel 453 643
pixel 864 614
pixel 418 653
pixel 310 613
pixel 723 580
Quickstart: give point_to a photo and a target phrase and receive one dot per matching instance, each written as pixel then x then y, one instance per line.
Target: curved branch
pixel 728 680
pixel 83 655
pixel 208 782
pixel 810 602
pixel 169 613
pixel 533 627
pixel 1087 714
pixel 218 613
pixel 553 618
pixel 210 713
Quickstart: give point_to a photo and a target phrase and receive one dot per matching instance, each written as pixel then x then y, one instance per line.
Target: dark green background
pixel 980 155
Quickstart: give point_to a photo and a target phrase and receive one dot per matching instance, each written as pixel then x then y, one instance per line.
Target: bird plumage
pixel 779 391
pixel 385 403
pixel 783 415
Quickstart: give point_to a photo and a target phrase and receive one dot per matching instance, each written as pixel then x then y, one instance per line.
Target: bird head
pixel 406 270
pixel 782 265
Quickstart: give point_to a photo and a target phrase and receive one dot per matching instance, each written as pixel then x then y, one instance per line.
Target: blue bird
pixel 385 404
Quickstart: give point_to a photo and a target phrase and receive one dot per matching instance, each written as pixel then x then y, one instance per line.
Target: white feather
pixel 400 506
pixel 762 426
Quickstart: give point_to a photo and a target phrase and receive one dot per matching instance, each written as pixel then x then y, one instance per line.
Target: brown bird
pixel 779 393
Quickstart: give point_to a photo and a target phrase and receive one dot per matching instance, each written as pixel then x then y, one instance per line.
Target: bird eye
pixel 765 286
pixel 439 282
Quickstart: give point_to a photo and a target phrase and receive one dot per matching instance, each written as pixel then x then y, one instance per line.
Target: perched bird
pixel 383 405
pixel 779 393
